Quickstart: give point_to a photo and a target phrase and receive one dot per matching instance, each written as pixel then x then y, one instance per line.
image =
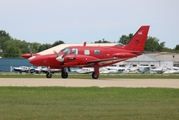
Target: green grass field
pixel 91 103
pixel 88 76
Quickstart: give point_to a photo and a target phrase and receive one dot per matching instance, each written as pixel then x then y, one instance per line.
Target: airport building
pixel 155 59
pixel 6 64
pixel 150 60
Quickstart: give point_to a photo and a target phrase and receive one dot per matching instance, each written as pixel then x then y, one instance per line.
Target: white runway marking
pixel 165 83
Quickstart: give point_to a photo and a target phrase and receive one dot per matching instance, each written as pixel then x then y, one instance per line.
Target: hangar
pixel 6 64
pixel 147 60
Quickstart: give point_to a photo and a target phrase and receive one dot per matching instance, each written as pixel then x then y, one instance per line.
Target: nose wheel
pixel 48 75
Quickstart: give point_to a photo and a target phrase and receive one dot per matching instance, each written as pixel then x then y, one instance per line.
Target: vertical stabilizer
pixel 138 41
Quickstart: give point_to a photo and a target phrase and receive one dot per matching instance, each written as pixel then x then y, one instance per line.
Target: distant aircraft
pixel 84 70
pixel 40 69
pixel 159 70
pixel 91 56
pixel 173 70
pixel 91 70
pixel 21 69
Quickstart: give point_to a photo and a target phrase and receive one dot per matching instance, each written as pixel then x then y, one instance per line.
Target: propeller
pixel 30 50
pixel 60 58
pixel 56 53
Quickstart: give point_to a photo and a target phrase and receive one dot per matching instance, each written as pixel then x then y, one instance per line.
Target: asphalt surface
pixel 135 83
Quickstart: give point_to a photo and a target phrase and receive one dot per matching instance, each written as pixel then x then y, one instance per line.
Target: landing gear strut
pixel 95 74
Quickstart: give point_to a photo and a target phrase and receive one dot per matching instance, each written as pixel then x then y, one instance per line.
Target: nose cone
pixel 38 60
pixel 32 61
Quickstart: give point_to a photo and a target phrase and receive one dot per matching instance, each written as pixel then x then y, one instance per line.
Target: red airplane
pixel 91 56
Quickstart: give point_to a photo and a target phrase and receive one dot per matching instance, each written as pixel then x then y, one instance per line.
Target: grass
pixel 91 103
pixel 88 76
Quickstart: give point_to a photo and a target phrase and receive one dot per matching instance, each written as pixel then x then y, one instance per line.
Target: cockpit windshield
pixel 66 50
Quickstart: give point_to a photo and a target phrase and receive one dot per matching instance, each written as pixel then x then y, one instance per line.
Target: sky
pixel 78 21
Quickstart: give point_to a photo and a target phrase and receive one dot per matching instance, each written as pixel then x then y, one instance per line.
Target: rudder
pixel 138 41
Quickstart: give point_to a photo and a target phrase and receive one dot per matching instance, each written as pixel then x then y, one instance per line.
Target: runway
pixel 134 83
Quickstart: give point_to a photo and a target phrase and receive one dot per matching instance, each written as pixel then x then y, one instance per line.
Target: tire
pixel 64 74
pixel 48 75
pixel 94 76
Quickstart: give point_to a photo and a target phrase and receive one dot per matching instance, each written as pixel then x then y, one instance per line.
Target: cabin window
pixel 86 52
pixel 97 52
pixel 75 51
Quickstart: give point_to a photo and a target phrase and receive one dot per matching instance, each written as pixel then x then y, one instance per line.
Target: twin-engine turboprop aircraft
pixel 90 56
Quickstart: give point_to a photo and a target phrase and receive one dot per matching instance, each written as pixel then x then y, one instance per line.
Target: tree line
pixel 13 48
pixel 153 44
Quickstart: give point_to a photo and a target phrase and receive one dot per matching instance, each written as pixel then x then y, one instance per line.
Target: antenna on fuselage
pixel 84 44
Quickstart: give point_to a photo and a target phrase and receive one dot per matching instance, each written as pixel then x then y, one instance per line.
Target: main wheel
pixel 64 74
pixel 48 75
pixel 94 76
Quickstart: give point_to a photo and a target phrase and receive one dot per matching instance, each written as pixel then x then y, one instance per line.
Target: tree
pixel 57 43
pixel 35 47
pixel 11 52
pixel 124 39
pixel 44 47
pixel 177 48
pixel 102 41
pixel 3 38
pixel 4 34
pixel 152 44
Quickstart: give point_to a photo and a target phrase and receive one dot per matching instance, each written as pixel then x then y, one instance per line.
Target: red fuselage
pixel 81 56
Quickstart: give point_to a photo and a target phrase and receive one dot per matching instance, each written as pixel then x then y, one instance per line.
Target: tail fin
pixel 138 41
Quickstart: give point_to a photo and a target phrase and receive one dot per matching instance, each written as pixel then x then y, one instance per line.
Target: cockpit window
pixel 75 51
pixel 66 50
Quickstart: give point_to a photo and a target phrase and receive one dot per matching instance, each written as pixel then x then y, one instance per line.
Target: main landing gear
pixel 64 74
pixel 94 76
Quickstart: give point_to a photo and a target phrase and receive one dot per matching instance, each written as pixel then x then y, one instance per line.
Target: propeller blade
pixel 56 53
pixel 64 54
pixel 61 58
pixel 30 50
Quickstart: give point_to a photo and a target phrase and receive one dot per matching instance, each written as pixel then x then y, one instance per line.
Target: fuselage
pixel 80 56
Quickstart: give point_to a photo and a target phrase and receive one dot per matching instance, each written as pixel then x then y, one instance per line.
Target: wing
pixel 104 62
pixel 117 57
